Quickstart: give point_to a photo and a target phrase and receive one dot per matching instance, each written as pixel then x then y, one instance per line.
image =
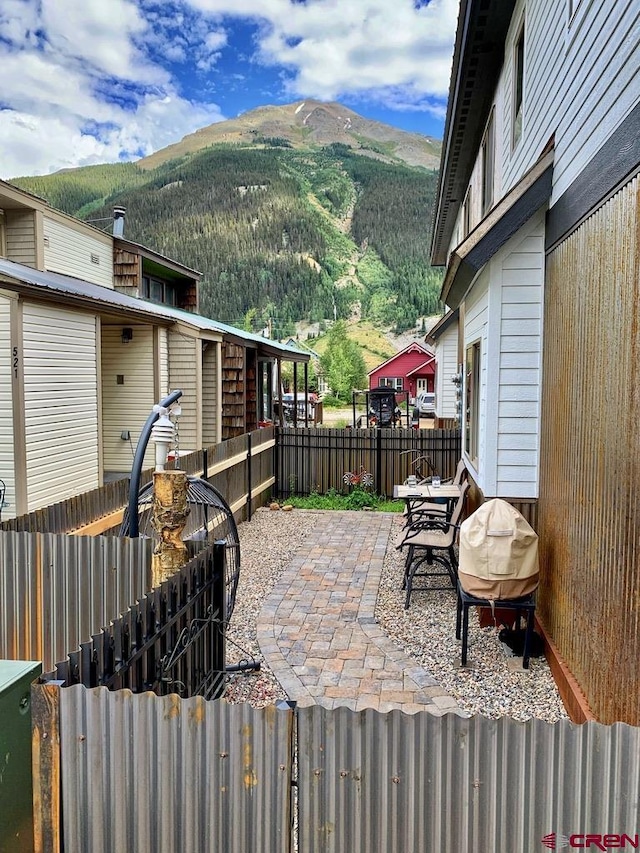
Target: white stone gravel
pixel 267 545
pixel 425 632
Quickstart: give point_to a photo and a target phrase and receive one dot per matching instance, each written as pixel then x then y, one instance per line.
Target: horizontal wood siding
pixel 60 393
pixel 21 237
pixel 70 252
pixel 7 469
pixel 589 516
pixel 581 79
pixel 163 355
pixel 209 393
pixel 520 355
pixel 126 406
pixel 184 373
pixel 446 367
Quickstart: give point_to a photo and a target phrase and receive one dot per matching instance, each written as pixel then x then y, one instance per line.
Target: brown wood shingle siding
pixel 233 384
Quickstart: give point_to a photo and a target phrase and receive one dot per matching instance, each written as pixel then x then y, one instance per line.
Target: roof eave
pixel 477 62
pixel 506 218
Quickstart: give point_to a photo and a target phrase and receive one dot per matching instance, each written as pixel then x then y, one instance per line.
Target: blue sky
pixel 94 81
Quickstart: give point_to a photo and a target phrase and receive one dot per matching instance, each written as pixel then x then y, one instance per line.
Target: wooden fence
pixel 316 460
pixel 281 461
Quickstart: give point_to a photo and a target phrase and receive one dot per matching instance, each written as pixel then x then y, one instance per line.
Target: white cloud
pixel 334 48
pixel 80 86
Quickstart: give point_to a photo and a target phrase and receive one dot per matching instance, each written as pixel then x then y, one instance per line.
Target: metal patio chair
pixel 430 542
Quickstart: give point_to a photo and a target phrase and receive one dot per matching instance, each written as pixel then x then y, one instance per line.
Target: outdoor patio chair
pixel 430 544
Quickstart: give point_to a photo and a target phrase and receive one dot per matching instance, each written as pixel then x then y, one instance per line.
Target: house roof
pixel 510 214
pixel 156 257
pixel 52 285
pixel 84 294
pixel 413 346
pixel 477 62
pixel 422 367
pixel 442 325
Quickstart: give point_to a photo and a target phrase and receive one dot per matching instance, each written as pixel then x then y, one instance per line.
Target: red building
pixel 412 369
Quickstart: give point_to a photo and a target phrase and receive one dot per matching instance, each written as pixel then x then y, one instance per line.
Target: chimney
pixel 118 221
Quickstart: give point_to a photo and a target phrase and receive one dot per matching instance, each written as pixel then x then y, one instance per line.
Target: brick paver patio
pixel 317 629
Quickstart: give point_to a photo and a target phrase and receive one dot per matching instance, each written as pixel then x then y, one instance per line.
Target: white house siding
pixel 77 252
pixel 210 370
pixel 581 79
pixel 7 469
pixel 126 405
pixel 21 237
pixel 60 397
pixel 185 372
pixel 446 367
pixel 520 354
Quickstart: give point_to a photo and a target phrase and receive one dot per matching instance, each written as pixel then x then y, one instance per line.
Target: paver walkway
pixel 317 629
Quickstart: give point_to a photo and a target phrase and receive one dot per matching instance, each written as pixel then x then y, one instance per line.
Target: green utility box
pixel 16 797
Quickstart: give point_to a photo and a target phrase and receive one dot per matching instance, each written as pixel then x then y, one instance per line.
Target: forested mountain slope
pixel 281 233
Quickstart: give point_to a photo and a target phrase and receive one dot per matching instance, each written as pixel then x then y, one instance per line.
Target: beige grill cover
pixel 498 552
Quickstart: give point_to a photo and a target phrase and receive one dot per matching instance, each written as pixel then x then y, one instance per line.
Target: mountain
pixel 309 124
pixel 286 220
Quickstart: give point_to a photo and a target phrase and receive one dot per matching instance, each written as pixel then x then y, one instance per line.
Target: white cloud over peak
pixel 333 48
pixel 80 86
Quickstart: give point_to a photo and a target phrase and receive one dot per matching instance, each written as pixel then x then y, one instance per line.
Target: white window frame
pixel 517 93
pixel 472 380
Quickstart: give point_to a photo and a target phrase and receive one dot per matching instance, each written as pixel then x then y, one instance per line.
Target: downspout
pixel 136 468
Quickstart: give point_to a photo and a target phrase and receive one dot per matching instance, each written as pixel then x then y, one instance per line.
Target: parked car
pixel 426 403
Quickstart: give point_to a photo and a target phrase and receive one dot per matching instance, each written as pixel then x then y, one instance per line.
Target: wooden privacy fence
pixel 246 470
pixel 316 460
pixel 170 775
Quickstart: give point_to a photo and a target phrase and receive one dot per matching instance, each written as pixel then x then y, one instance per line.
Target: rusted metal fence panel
pixel 170 641
pixel 589 507
pixel 317 459
pixel 393 783
pixel 170 775
pixel 57 590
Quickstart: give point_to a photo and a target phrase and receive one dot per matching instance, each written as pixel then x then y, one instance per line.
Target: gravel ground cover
pixel 425 632
pixel 267 545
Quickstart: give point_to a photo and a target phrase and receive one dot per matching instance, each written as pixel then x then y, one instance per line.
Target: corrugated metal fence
pixel 167 775
pixel 57 590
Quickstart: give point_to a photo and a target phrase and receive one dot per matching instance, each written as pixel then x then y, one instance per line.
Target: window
pixel 157 291
pixel 388 382
pixel 466 214
pixel 472 400
pixel 488 163
pixel 518 87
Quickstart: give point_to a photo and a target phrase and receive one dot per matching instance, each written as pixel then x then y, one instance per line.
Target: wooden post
pixel 45 758
pixel 170 511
